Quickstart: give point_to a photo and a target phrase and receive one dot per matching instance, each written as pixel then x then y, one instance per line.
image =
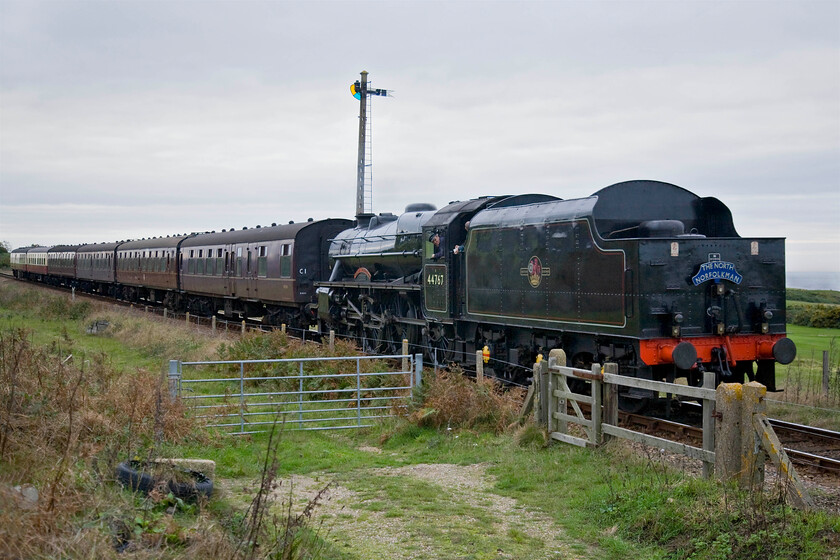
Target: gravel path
pixel 370 534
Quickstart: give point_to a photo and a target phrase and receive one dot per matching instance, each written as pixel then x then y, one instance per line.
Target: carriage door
pixel 227 270
pixel 250 271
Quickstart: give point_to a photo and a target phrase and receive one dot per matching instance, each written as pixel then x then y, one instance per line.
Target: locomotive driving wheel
pixel 394 330
pixel 370 328
pixel 440 343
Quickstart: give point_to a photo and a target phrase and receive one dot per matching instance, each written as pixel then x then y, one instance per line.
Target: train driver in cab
pixel 437 240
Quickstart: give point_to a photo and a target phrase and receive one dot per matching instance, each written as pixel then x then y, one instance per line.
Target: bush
pixel 452 400
pixel 814 315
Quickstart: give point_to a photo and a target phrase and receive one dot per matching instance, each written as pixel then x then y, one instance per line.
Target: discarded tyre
pixel 132 474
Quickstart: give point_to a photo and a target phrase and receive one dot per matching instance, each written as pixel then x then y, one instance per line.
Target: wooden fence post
pixel 406 359
pixel 596 406
pixel 188 317
pixel 332 343
pixel 556 358
pixel 536 383
pixel 825 372
pixel 243 326
pixel 610 400
pixel 708 423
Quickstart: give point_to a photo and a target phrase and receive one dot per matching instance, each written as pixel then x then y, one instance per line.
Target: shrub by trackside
pixel 450 399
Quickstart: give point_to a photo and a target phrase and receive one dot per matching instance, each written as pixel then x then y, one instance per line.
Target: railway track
pixel 808 439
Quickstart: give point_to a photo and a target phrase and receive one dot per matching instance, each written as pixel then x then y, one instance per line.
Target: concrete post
pixel 243 326
pixel 479 366
pixel 738 451
pixel 188 317
pixel 753 454
pixel 213 323
pixel 728 431
pixel 283 328
pixel 164 312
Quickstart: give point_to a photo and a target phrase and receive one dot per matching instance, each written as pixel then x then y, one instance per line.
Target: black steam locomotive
pixel 643 274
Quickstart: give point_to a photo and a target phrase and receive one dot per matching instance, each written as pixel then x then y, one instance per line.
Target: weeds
pixel 451 400
pixel 287 536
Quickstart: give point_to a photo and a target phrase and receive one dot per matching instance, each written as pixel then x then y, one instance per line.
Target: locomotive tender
pixel 642 273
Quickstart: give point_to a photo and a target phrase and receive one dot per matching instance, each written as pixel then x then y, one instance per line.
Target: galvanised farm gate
pixel 248 396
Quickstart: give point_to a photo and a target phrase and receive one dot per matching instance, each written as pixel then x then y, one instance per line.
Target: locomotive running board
pixel 375 285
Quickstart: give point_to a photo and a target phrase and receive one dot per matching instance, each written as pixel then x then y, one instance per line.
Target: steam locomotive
pixel 644 274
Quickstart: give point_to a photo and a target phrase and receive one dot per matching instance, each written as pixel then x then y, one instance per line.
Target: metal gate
pixel 247 396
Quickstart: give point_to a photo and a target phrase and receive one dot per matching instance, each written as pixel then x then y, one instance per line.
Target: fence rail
pixel 735 447
pixel 303 400
pixel 556 397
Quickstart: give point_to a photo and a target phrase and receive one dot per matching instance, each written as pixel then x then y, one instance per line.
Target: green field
pixel 811 342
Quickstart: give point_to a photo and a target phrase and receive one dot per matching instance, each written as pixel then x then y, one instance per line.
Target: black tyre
pixel 132 475
pixel 199 486
pixel 129 476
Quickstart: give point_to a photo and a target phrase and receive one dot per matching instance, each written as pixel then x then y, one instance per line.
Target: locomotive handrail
pixel 388 254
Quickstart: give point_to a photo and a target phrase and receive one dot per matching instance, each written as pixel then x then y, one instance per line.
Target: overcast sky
pixel 135 119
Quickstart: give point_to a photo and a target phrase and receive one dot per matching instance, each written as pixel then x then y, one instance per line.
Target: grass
pixel 802 381
pixel 67 422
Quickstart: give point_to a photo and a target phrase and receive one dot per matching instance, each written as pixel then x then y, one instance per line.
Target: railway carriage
pixel 267 272
pixel 36 263
pixel 147 270
pixel 17 260
pixel 61 265
pixel 95 268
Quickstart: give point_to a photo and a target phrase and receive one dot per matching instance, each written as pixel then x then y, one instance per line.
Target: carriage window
pixel 262 261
